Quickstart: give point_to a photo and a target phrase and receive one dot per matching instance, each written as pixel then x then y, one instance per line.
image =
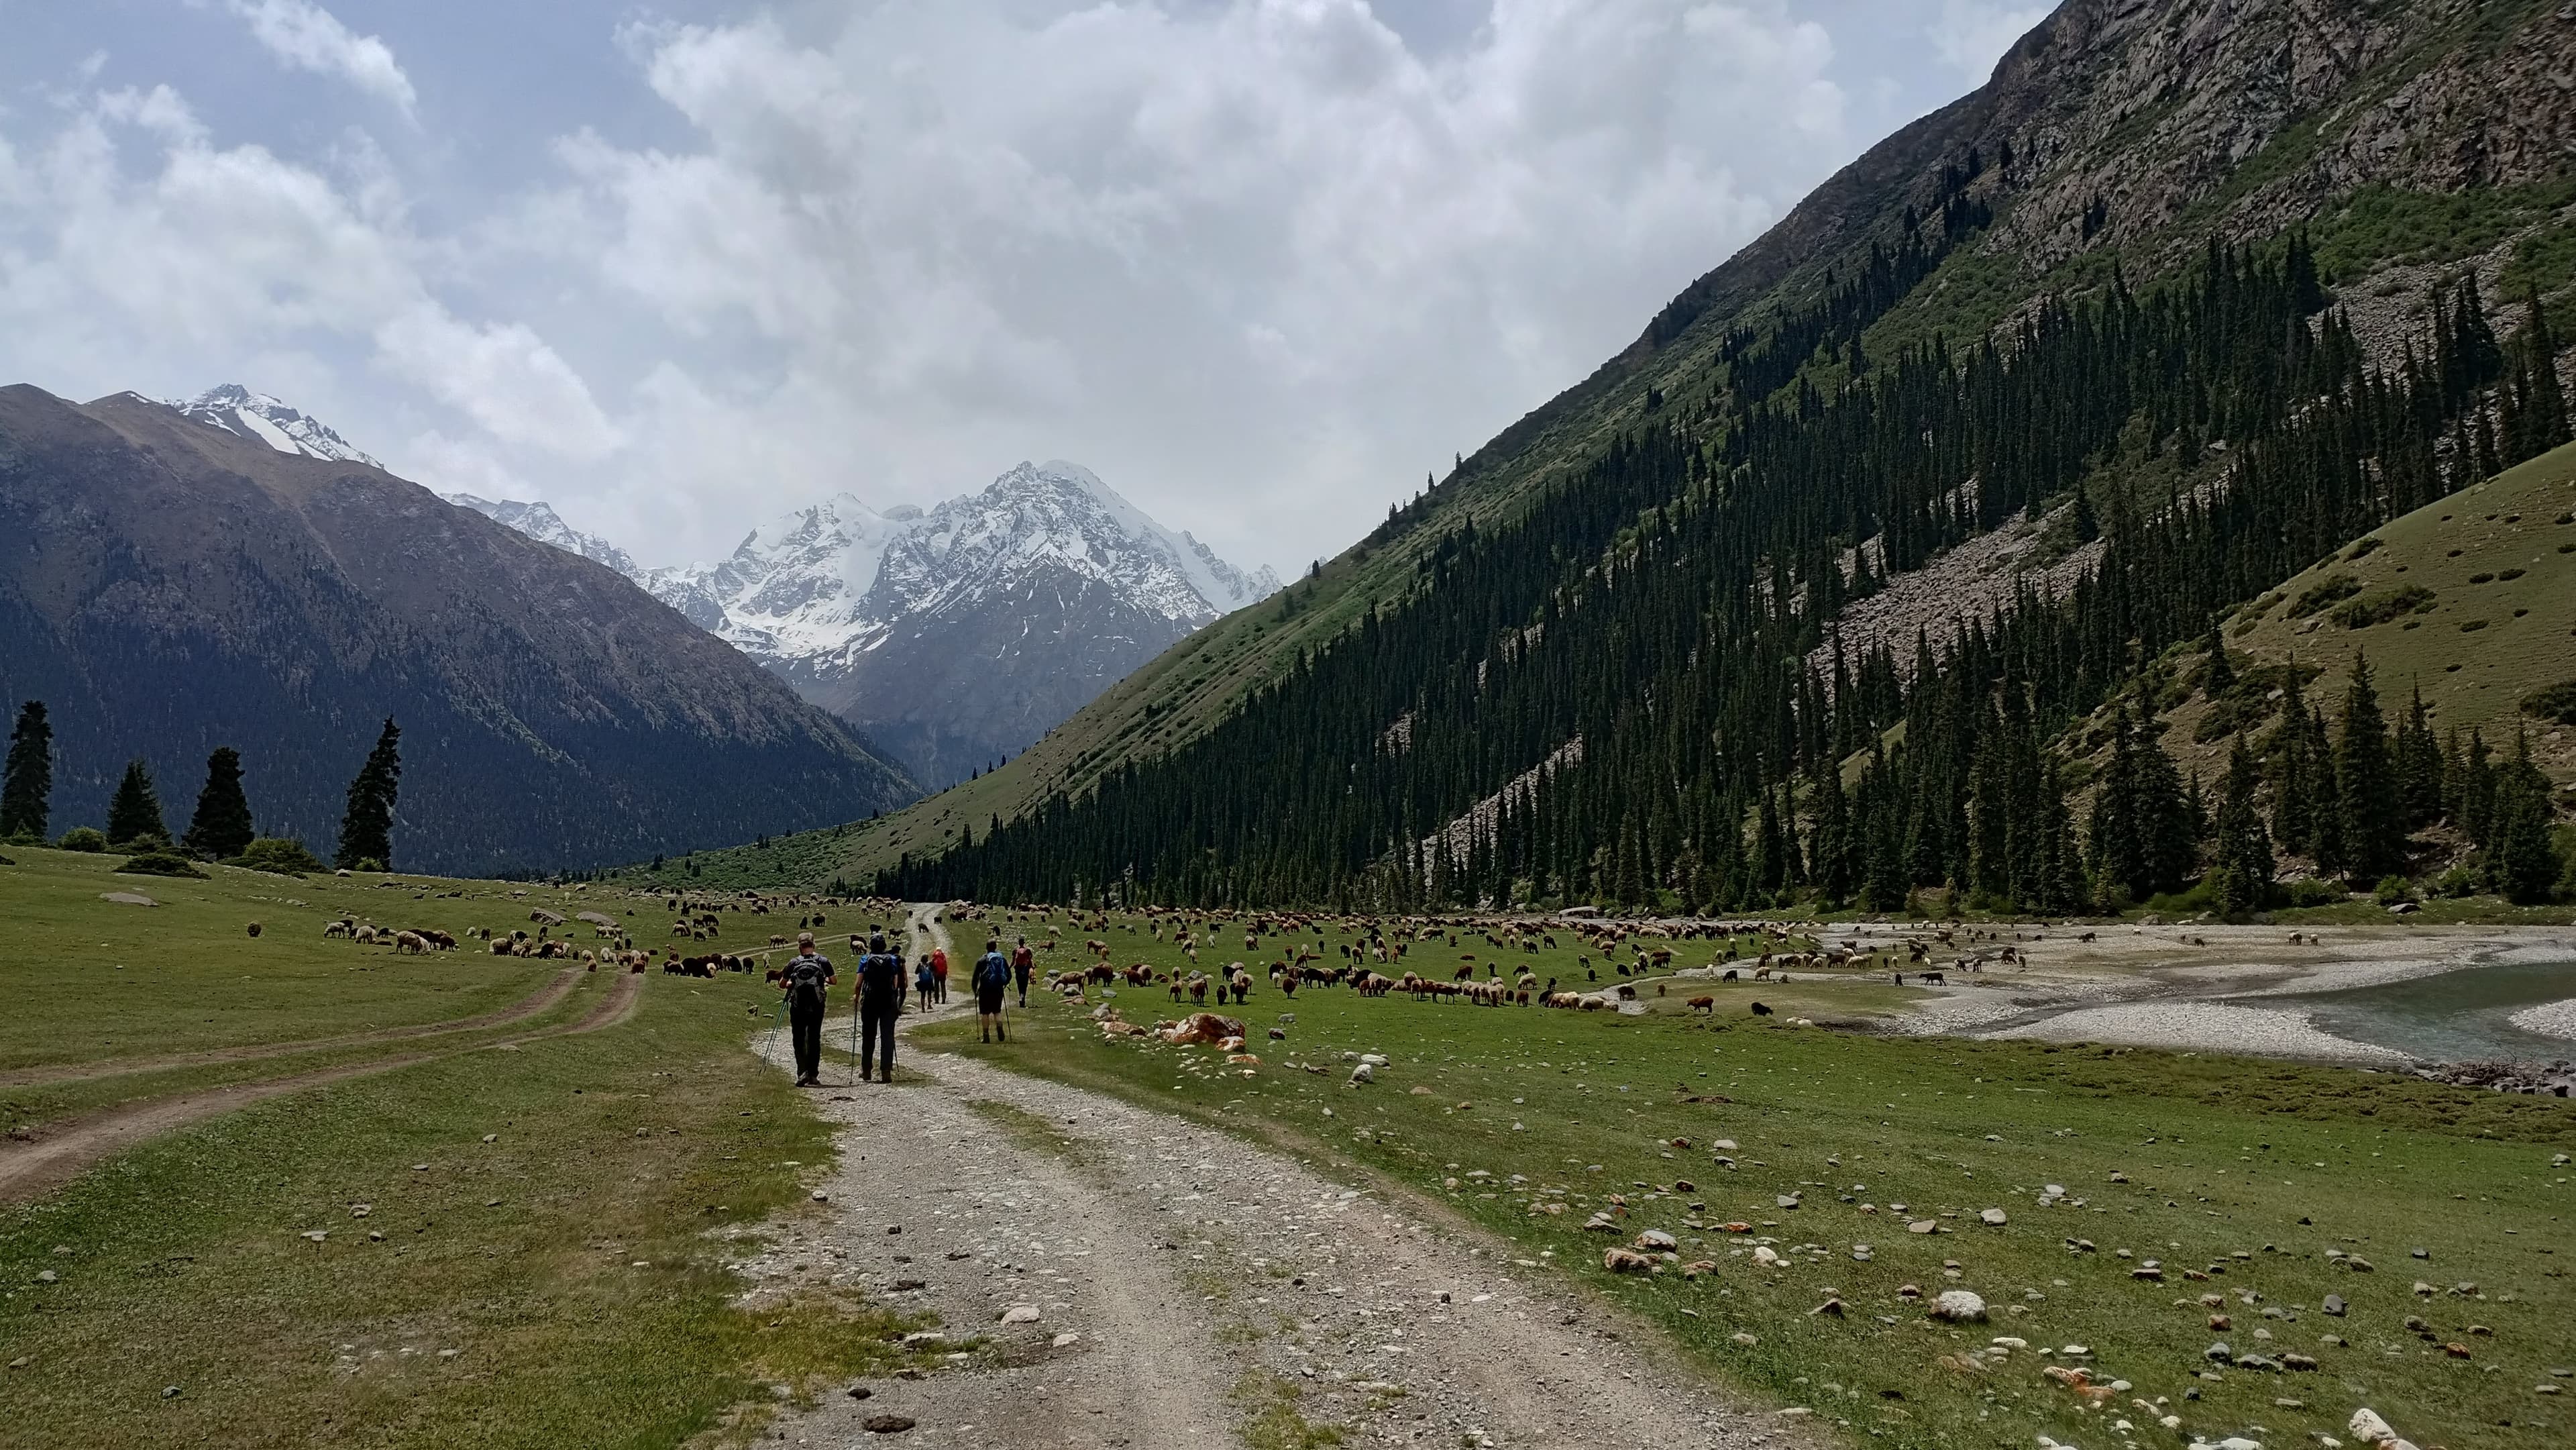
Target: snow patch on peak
pixel 237 409
pixel 540 522
pixel 817 587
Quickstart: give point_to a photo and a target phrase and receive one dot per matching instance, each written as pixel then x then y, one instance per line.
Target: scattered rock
pixel 1626 1261
pixel 1993 1216
pixel 861 1392
pixel 1959 1306
pixel 1923 1226
pixel 1020 1314
pixel 1065 1340
pixel 2334 1305
pixel 887 1424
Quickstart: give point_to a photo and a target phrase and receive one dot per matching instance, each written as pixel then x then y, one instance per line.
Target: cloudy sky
pixel 674 267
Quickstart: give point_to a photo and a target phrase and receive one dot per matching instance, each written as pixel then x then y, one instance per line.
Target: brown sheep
pixel 1703 1004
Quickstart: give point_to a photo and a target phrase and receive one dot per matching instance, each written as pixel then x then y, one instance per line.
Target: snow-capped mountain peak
pixel 237 409
pixel 540 522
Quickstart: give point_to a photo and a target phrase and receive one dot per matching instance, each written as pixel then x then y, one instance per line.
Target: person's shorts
pixel 988 1001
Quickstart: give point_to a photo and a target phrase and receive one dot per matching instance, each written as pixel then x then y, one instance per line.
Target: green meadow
pixel 2254 1190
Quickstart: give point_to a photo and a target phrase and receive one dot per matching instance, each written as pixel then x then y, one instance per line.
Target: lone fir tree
pixel 222 825
pixel 367 827
pixel 2240 878
pixel 134 812
pixel 27 783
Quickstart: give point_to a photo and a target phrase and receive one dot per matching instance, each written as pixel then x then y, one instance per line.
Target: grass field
pixel 515 1239
pixel 2236 1177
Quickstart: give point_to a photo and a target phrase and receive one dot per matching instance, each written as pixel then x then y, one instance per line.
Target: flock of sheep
pixel 1493 981
pixel 696 917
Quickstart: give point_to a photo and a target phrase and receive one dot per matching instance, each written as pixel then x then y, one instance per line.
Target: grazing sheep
pixel 1703 1004
pixel 1937 979
pixel 1761 1011
pixel 409 941
pixel 337 928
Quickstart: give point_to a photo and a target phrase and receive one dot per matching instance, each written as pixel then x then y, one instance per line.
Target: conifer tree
pixel 2372 824
pixel 134 812
pixel 2240 878
pixel 367 826
pixel 27 782
pixel 221 826
pixel 2523 862
pixel 2218 680
pixel 2419 765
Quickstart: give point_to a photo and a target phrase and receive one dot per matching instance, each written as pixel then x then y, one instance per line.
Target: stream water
pixel 2450 1017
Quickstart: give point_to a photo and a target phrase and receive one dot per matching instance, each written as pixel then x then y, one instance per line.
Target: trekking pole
pixel 777 1020
pixel 849 1075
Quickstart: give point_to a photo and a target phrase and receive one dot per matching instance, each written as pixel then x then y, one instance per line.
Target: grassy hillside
pixel 2471 599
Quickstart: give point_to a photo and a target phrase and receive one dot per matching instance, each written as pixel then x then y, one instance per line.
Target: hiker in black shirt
pixel 880 1002
pixel 808 980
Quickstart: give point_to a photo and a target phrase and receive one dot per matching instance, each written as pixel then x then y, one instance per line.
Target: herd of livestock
pixel 1380 957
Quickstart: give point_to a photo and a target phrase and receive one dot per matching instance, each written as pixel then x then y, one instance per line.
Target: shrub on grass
pixel 2331 590
pixel 2384 606
pixel 2555 703
pixel 2394 889
pixel 160 863
pixel 2459 881
pixel 281 855
pixel 83 838
pixel 2309 891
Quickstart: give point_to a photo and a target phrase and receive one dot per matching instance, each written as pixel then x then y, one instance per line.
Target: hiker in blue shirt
pixel 925 983
pixel 992 978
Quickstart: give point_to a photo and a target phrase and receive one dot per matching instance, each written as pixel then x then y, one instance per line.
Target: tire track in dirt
pixel 520 1011
pixel 59 1152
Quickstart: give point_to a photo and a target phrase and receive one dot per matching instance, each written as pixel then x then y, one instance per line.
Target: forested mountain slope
pixel 2070 304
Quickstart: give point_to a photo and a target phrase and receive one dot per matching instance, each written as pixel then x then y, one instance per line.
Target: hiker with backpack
pixel 992 977
pixel 808 981
pixel 1023 961
pixel 880 1003
pixel 924 985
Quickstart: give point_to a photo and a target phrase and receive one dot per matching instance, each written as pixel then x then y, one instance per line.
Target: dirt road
pixel 555 990
pixel 1142 1281
pixel 55 1152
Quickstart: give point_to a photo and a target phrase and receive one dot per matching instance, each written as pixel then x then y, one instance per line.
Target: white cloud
pixel 1971 35
pixel 1262 263
pixel 304 35
pixel 119 259
pixel 1259 262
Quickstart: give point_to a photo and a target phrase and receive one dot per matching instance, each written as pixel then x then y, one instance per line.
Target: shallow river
pixel 2452 1017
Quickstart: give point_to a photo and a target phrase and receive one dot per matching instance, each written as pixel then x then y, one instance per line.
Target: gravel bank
pixel 2549 1019
pixel 2208 1026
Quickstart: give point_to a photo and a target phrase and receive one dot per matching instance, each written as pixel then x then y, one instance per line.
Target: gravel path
pixel 1172 1283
